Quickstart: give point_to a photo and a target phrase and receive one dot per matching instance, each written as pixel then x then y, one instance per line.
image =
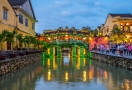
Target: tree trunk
pixel 12 46
pixel 28 47
pixel 1 47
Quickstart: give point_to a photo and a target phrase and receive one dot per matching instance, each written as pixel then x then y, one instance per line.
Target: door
pixel 8 45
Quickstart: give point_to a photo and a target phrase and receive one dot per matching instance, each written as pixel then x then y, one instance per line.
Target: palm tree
pixel 27 41
pixel 10 37
pixel 37 43
pixel 33 41
pixel 20 39
pixel 117 35
pixel 3 38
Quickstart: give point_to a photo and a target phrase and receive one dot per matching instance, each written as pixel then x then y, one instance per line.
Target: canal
pixel 68 73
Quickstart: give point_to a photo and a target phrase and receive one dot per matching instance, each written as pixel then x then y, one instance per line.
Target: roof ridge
pixel 121 15
pixel 16 2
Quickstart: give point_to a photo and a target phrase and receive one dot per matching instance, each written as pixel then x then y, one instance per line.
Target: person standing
pixel 102 48
pixel 129 49
pixel 107 49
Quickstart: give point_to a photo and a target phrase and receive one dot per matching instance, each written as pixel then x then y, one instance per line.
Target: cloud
pixel 63 3
pixel 86 2
pixel 53 14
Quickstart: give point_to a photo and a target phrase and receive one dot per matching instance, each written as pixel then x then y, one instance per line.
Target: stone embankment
pixel 9 65
pixel 113 60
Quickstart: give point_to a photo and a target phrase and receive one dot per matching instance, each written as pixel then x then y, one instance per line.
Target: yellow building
pixel 100 30
pixel 17 15
pixel 122 21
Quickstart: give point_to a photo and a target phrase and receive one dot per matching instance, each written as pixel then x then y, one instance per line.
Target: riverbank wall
pixel 13 64
pixel 113 60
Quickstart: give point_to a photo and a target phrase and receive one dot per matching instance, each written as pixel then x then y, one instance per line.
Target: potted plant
pixel 10 38
pixel 21 40
pixel 2 39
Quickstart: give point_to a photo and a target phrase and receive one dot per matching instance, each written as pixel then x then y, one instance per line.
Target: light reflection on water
pixel 68 73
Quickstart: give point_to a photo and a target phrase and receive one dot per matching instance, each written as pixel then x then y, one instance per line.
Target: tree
pixel 27 41
pixel 3 37
pixel 117 35
pixel 94 32
pixel 10 37
pixel 20 39
pixel 33 41
pixel 86 29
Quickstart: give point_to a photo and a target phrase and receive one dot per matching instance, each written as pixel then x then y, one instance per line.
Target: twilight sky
pixel 52 14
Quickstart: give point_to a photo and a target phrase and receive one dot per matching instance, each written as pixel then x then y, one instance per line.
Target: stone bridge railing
pixel 9 65
pixel 113 60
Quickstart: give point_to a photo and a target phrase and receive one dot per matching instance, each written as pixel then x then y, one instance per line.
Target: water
pixel 68 74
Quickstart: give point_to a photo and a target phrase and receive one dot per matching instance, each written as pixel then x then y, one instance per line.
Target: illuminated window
pixel 130 28
pixel 121 28
pixel 127 23
pixel 126 28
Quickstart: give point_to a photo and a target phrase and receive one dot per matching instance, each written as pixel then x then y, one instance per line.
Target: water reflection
pixel 68 73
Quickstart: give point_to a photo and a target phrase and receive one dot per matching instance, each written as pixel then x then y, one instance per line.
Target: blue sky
pixel 52 14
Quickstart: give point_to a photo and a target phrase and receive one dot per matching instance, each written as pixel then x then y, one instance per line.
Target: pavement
pixel 111 54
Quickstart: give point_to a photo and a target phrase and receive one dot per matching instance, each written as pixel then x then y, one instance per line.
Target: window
pixel 121 27
pixel 130 28
pixel 26 22
pixel 125 28
pixel 107 30
pixel 5 14
pixel 20 18
pixel 33 26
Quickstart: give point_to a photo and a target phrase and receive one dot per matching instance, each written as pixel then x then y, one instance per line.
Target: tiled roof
pixel 16 2
pixel 121 15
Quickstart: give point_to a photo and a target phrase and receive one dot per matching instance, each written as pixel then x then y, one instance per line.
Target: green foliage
pixel 20 38
pixel 10 36
pixel 3 37
pixel 94 32
pixel 117 35
pixel 27 40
